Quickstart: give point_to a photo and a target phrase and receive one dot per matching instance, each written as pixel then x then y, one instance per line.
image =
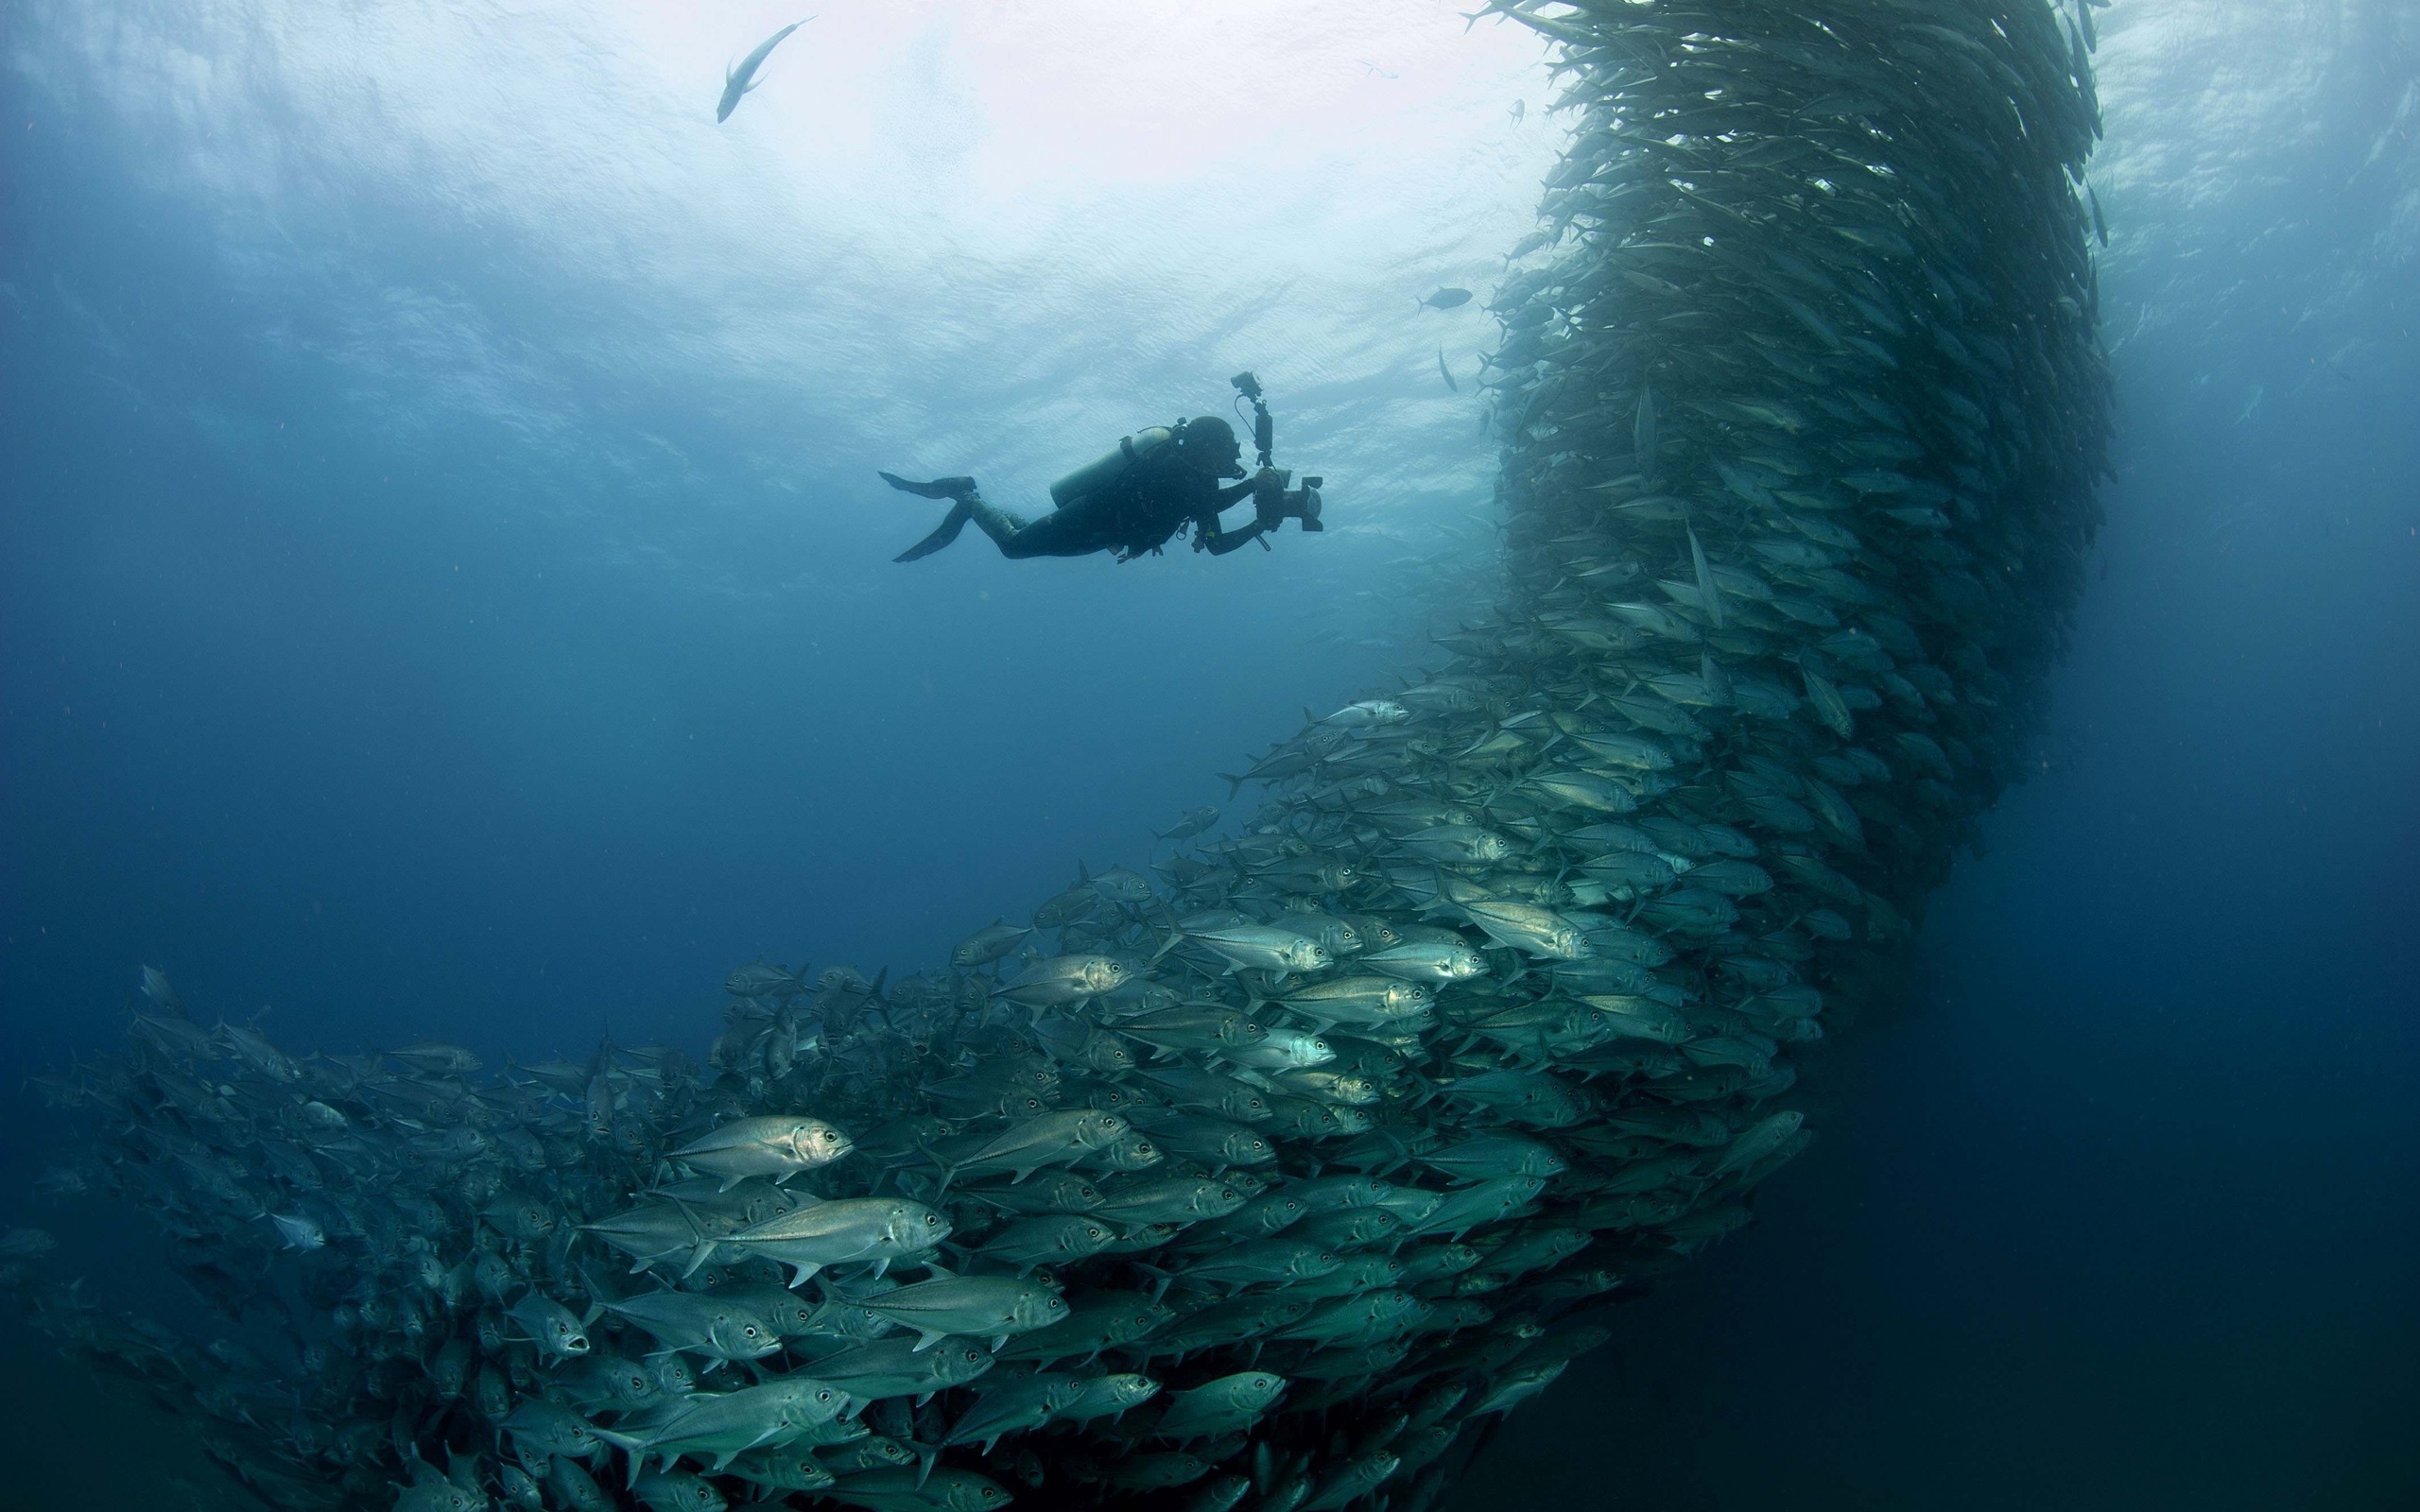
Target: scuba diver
pixel 1140 496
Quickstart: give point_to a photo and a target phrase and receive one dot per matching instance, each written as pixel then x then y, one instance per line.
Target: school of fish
pixel 1271 1181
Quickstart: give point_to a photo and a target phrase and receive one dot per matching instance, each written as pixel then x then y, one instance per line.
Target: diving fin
pixel 942 534
pixel 938 488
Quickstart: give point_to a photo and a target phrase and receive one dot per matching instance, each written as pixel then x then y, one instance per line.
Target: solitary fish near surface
pixel 740 77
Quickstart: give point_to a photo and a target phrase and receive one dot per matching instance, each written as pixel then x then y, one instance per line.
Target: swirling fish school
pixel 1263 1188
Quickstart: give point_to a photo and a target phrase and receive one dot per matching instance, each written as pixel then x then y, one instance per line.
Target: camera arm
pixel 1263 429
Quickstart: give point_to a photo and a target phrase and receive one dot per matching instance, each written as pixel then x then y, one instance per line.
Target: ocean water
pixel 444 590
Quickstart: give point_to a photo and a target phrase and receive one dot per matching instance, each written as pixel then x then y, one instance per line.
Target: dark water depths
pixel 2122 1215
pixel 328 687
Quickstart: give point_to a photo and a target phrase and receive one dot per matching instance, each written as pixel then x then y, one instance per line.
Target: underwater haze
pixel 450 583
pixel 445 591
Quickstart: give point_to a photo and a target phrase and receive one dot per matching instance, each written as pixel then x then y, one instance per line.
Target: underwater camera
pixel 1274 506
pixel 1303 504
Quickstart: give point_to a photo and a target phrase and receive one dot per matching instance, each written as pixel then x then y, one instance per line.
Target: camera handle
pixel 1264 430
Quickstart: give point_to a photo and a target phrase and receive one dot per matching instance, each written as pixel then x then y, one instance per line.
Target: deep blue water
pixel 444 591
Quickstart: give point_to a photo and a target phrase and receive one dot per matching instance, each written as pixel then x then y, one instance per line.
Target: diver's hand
pixel 1269 497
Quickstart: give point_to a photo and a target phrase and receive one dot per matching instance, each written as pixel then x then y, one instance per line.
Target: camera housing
pixel 1303 503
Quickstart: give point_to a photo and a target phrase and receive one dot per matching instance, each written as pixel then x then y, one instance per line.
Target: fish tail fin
pixel 632 1449
pixel 596 1293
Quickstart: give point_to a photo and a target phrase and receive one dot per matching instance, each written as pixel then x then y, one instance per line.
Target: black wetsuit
pixel 1139 511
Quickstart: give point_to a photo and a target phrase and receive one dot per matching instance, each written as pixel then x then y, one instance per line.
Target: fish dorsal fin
pixel 1708 589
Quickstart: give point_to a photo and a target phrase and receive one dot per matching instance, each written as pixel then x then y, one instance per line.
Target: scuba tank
pixel 1096 475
